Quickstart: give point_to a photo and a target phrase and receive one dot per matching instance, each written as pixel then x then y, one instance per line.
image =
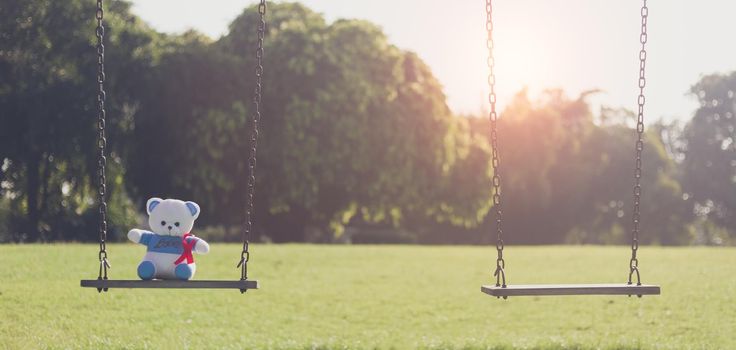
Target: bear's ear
pixel 193 208
pixel 152 203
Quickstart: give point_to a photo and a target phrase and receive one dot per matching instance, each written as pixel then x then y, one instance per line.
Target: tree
pixel 353 127
pixel 47 95
pixel 567 179
pixel 709 165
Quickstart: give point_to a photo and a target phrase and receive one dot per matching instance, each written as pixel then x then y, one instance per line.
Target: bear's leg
pixel 146 270
pixel 183 271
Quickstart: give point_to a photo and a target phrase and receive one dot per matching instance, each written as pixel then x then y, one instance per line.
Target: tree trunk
pixel 32 188
pixel 44 198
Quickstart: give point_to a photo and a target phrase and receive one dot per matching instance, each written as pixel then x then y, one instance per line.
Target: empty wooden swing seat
pixel 570 289
pixel 633 286
pixel 242 285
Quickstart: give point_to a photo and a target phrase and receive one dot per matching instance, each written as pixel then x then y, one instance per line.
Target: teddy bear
pixel 170 245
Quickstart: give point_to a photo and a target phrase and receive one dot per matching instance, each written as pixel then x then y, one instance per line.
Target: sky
pixel 575 45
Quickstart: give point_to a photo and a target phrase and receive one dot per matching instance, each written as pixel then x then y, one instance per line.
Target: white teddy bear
pixel 170 245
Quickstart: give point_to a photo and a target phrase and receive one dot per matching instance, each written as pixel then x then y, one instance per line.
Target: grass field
pixel 366 297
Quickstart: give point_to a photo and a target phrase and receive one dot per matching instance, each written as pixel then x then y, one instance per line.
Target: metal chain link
pixel 245 254
pixel 500 263
pixel 101 143
pixel 636 216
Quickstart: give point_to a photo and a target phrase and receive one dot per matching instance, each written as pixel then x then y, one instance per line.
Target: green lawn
pixel 346 297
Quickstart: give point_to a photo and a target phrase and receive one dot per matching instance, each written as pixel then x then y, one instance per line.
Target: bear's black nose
pixel 169 227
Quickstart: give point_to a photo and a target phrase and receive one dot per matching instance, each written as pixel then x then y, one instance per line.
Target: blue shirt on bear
pixel 164 244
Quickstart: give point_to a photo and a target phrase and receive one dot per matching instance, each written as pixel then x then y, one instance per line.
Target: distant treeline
pixel 357 142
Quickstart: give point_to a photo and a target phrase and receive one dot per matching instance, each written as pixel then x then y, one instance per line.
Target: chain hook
pixel 500 274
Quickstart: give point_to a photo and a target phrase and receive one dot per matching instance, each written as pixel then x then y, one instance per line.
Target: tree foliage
pixel 47 98
pixel 355 133
pixel 353 128
pixel 709 164
pixel 567 178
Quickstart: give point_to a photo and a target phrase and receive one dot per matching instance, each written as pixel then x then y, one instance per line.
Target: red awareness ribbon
pixel 188 246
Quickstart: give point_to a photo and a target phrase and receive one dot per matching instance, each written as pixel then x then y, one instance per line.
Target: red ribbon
pixel 188 246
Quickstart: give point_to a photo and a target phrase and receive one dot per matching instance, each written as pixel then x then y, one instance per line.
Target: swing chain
pixel 101 143
pixel 500 263
pixel 636 216
pixel 245 254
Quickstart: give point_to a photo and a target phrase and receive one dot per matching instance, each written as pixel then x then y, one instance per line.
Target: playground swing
pixel 501 289
pixel 102 283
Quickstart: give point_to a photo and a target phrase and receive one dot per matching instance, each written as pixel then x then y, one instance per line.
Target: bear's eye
pixel 176 224
pixel 163 223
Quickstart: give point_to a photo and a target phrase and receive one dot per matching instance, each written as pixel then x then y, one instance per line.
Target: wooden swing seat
pixel 570 289
pixel 242 285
